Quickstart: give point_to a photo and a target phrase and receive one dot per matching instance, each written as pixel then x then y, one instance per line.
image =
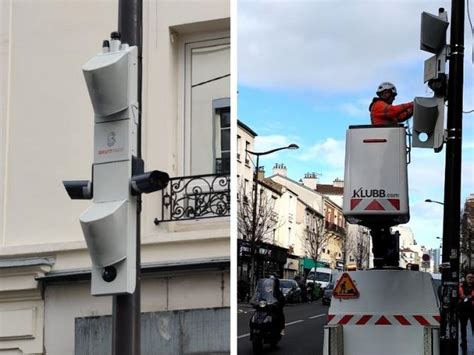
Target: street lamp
pixel 255 184
pixel 433 201
pixel 255 181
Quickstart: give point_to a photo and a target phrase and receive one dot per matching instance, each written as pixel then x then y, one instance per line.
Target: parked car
pixel 327 294
pixel 290 290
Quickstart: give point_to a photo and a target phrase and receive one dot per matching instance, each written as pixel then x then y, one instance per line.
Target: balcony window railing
pixel 334 228
pixel 196 197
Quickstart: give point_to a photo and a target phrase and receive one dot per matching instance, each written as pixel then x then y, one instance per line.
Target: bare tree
pixel 358 245
pixel 315 236
pixel 266 222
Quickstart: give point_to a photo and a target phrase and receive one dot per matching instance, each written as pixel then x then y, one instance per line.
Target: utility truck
pixel 322 275
pixel 385 310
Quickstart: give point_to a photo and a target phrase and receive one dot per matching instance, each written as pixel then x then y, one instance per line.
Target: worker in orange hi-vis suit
pixel 382 112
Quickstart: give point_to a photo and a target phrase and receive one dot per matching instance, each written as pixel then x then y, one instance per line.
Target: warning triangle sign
pixel 345 288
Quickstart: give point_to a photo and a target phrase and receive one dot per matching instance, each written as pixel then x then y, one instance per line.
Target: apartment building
pixel 264 245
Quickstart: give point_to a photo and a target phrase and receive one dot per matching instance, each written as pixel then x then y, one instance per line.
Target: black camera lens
pixel 109 274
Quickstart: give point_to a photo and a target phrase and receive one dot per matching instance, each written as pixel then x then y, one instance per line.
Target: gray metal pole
pixel 126 308
pixel 452 185
pixel 255 196
pixel 254 226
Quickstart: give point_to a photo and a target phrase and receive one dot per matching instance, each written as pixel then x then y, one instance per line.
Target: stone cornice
pixel 18 278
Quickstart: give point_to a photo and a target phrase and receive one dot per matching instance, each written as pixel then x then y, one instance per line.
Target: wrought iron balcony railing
pixel 335 228
pixel 196 197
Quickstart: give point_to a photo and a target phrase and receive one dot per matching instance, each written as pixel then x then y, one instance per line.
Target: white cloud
pixel 264 143
pixel 425 172
pixel 357 109
pixel 330 152
pixel 427 221
pixel 331 45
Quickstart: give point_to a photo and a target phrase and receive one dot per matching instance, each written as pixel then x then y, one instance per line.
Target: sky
pixel 309 69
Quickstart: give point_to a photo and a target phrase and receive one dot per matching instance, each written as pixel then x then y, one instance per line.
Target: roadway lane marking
pixel 317 316
pixel 290 323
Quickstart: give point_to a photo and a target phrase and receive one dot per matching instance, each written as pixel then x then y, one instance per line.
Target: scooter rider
pixel 281 302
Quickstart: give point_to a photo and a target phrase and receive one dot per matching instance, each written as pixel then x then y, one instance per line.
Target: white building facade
pixel 46 136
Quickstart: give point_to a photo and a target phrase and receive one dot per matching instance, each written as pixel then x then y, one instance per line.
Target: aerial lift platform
pixel 387 309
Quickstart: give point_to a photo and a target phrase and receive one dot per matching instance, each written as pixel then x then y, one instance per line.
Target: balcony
pixel 331 227
pixel 195 197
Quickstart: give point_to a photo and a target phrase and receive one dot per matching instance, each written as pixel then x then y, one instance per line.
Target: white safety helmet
pixel 386 86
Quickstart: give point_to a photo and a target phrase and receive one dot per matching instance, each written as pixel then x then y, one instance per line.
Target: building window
pixel 328 215
pixel 239 147
pixel 206 103
pixel 222 135
pixel 247 146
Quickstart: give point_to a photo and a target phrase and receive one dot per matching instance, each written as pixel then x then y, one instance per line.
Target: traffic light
pixel 428 113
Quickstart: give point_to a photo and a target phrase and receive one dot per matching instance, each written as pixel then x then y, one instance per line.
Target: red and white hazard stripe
pixel 375 204
pixel 384 319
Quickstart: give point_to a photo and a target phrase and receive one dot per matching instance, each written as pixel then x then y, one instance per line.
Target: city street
pixel 303 332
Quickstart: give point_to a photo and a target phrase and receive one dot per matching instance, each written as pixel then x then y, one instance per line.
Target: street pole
pixel 452 186
pixel 255 197
pixel 126 308
pixel 254 224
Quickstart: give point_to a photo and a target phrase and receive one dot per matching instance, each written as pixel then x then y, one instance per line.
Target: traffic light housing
pixel 428 122
pixel 109 224
pixel 428 112
pixel 433 32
